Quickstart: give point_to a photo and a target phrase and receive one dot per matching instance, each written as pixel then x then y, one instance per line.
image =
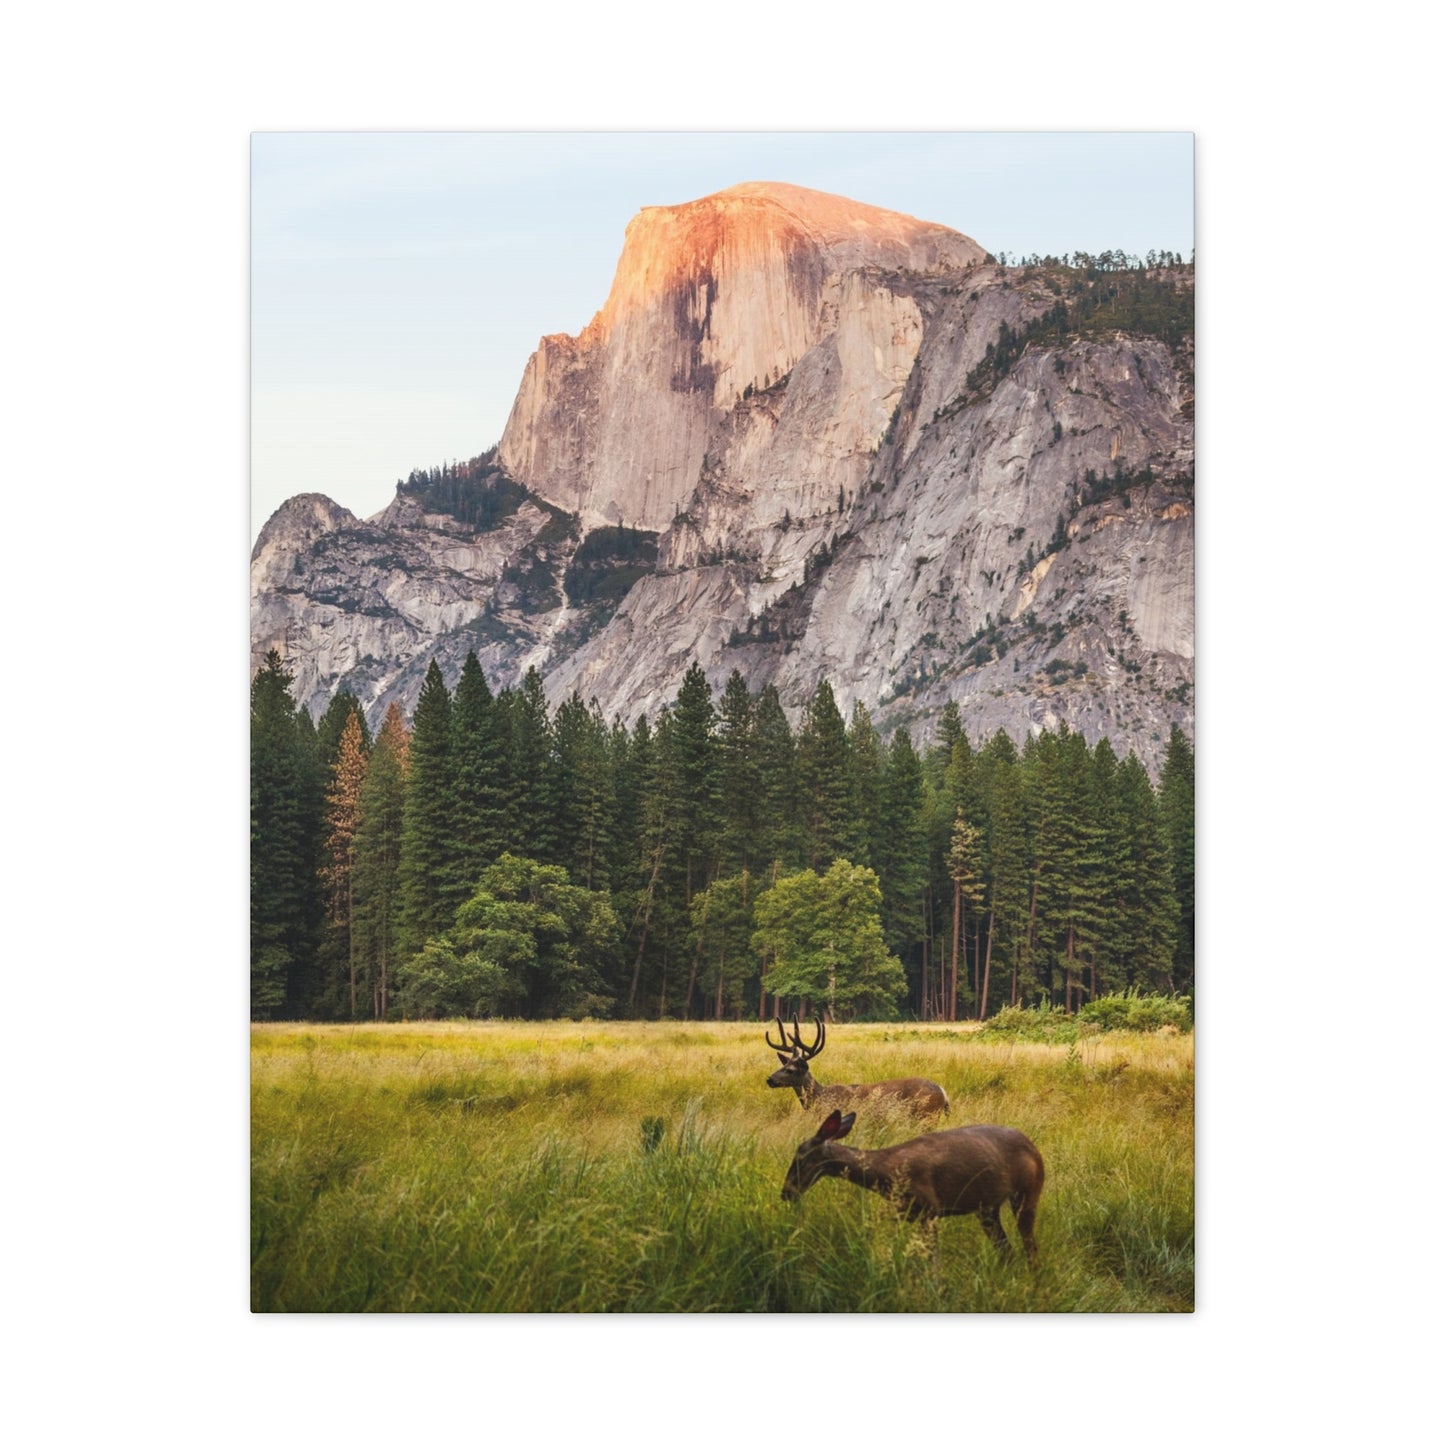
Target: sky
pixel 399 281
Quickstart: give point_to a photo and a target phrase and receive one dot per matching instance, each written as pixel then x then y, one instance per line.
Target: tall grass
pixel 638 1167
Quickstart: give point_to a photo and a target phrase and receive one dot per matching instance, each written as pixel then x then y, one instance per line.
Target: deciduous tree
pixel 826 939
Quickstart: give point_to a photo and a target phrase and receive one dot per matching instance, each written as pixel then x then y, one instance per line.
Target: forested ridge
pixel 493 857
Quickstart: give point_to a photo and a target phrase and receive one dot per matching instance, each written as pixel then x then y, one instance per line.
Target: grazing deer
pixel 922 1096
pixel 973 1170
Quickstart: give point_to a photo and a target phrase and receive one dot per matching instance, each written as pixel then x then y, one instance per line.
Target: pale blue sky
pixel 399 281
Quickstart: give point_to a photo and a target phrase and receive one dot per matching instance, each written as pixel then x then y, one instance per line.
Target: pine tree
pixel 329 730
pixel 533 810
pixel 738 774
pixel 304 995
pixel 376 894
pixel 479 756
pixel 631 763
pixel 903 864
pixel 343 816
pixel 960 783
pixel 965 872
pixel 656 916
pixel 1001 786
pixel 1177 808
pixel 286 826
pixel 722 926
pixel 1109 971
pixel 866 762
pixel 699 780
pixel 427 872
pixel 946 738
pixel 1149 913
pixel 779 836
pixel 585 795
pixel 1068 859
pixel 823 784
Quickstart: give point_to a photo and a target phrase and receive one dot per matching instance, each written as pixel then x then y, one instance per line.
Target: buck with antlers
pixel 921 1096
pixel 974 1170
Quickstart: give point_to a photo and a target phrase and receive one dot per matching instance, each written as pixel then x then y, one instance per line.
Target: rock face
pixel 827 460
pixel 711 300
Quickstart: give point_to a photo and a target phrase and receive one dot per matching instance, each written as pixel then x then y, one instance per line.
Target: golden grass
pixel 505 1166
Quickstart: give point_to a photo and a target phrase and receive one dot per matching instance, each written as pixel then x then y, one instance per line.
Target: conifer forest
pixel 491 857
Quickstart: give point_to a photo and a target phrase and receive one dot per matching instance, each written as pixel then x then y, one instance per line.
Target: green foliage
pixel 449 980
pixel 527 937
pixel 1078 881
pixel 1130 1011
pixel 333 722
pixel 376 908
pixel 531 773
pixel 1106 296
pixel 722 918
pixel 606 564
pixel 867 762
pixel 779 829
pixel 479 493
pixel 1176 802
pixel 823 783
pixel 586 795
pixel 1139 1012
pixel 739 775
pixel 287 808
pixel 427 871
pixel 903 847
pixel 480 753
pixel 699 783
pixel 826 941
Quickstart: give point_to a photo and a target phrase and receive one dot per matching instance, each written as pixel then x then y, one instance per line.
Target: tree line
pixel 495 857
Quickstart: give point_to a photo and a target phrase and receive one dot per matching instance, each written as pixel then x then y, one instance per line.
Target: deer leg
pixel 1025 1218
pixel 1024 1210
pixel 993 1227
pixel 1025 1207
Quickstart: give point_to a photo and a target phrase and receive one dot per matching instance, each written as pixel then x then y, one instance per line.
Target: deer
pixel 973 1170
pixel 921 1096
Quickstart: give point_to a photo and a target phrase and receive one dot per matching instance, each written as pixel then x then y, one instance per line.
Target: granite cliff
pixel 806 438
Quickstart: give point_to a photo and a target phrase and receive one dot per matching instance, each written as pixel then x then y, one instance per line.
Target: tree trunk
pixel 1030 939
pixel 923 999
pixel 987 960
pixel 646 918
pixel 696 961
pixel 351 944
pixel 763 976
pixel 953 969
pixel 977 962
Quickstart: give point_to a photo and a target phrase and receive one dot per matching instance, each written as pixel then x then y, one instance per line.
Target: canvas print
pixel 722 714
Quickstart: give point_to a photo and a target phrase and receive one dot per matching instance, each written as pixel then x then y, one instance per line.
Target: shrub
pixel 1139 1012
pixel 1131 1011
pixel 1045 1023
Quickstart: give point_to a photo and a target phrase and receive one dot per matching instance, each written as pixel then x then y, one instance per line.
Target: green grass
pixel 513 1167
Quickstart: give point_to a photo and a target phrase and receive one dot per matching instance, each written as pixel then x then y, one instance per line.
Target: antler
pixel 782 1044
pixel 803 1050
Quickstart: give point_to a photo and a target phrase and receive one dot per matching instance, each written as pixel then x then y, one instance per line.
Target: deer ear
pixel 845 1124
pixel 835 1126
pixel 784 1059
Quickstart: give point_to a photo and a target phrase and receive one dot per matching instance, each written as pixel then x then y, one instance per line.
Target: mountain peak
pixel 714 300
pixel 756 225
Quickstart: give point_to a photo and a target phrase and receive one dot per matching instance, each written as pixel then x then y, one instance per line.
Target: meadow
pixel 638 1167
